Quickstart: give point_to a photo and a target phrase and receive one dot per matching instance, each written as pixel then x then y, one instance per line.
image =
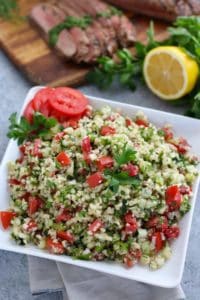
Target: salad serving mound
pixel 97 185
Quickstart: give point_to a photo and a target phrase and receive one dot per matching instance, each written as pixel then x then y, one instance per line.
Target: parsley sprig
pixel 22 130
pixel 117 177
pixel 68 23
pixel 127 155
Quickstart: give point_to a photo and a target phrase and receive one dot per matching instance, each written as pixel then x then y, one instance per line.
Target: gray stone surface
pixel 14 281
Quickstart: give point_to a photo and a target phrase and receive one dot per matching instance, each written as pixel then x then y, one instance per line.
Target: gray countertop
pixel 14 281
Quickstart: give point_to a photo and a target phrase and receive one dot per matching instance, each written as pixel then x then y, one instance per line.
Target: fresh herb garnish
pixel 184 33
pixel 127 155
pixel 8 9
pixel 125 67
pixel 117 178
pixel 109 13
pixel 22 130
pixel 68 23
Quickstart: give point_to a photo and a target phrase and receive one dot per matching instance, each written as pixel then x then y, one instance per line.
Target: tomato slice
pixel 29 112
pixel 105 162
pixel 158 241
pixel 107 130
pixel 41 101
pixel 130 228
pixel 95 226
pixel 54 247
pixel 173 197
pixel 68 101
pixel 63 159
pixel 6 218
pixel 66 235
pixel 95 179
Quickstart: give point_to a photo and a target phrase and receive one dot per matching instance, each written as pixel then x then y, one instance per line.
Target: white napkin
pixel 83 284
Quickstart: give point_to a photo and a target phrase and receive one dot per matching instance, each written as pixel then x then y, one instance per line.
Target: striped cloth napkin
pixel 75 283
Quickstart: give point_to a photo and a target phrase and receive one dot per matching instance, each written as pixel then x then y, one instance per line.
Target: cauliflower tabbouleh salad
pixel 106 187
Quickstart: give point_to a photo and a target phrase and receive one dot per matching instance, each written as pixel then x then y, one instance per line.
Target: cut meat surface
pixel 106 33
pixel 45 16
pixel 162 9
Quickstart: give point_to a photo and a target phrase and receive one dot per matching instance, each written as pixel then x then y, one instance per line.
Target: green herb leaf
pixel 68 23
pixel 112 11
pixel 127 155
pixel 22 130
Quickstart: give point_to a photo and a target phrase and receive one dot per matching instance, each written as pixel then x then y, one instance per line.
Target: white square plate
pixel 170 275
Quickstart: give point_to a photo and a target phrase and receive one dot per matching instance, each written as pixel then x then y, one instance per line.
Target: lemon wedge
pixel 169 72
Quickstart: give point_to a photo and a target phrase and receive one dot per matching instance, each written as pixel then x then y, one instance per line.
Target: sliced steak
pixel 79 35
pixel 45 16
pixel 162 9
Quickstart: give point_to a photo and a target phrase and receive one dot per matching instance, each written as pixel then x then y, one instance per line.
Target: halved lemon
pixel 169 72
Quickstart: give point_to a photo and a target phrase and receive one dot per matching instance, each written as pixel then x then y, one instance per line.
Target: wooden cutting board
pixel 30 53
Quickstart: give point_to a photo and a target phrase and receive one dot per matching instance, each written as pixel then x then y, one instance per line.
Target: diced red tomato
pixel 95 179
pixel 111 118
pixel 34 204
pixel 129 218
pixel 107 130
pixel 58 137
pixel 6 218
pixel 95 226
pixel 168 134
pixel 14 181
pixel 105 162
pixel 29 111
pixel 157 240
pixel 63 159
pixel 160 223
pixel 128 122
pixel 131 223
pixel 130 228
pixel 66 235
pixel 54 247
pixel 22 148
pixel 173 197
pixel 182 146
pixel 36 148
pixel 86 145
pixel 32 226
pixel 172 232
pixel 132 170
pixel 68 101
pixel 136 253
pixel 142 122
pixel 129 261
pixel 86 149
pixel 185 190
pixel 64 216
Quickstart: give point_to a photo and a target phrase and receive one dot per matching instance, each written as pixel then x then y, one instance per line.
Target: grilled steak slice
pixel 79 35
pixel 123 28
pixel 162 9
pixel 45 16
